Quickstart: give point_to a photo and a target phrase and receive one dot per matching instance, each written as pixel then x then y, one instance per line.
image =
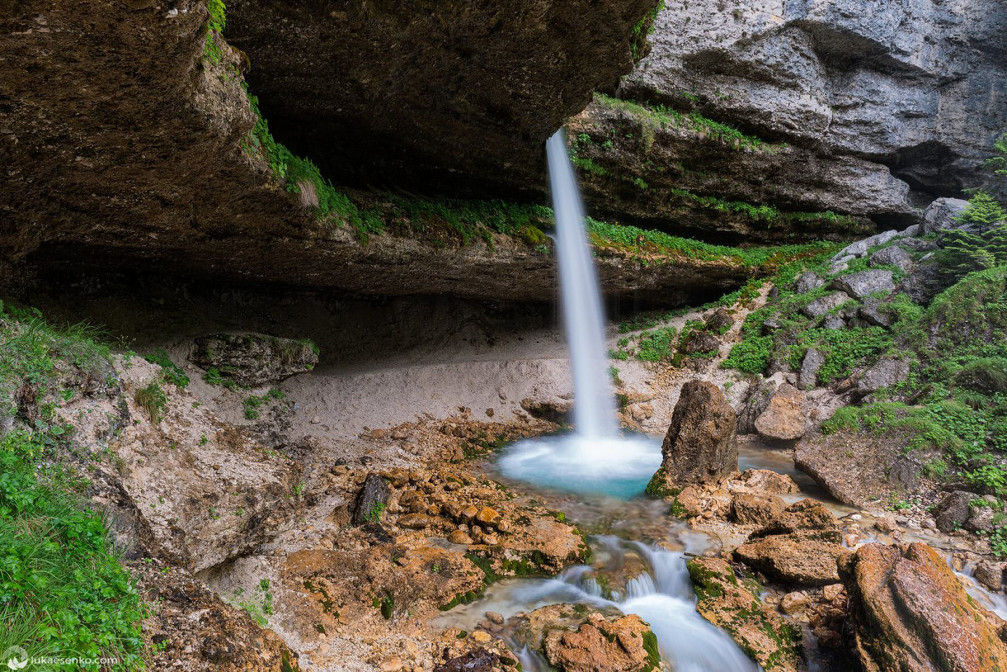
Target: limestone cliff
pixel 865 109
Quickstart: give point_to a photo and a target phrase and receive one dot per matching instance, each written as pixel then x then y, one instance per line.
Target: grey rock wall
pixel 914 87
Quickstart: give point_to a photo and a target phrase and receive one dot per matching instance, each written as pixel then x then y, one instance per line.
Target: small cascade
pixel 661 595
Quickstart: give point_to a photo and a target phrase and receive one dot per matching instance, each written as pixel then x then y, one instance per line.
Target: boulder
pixel 806 515
pixel 371 500
pixel 764 481
pixel 942 214
pixel 834 322
pixel 802 559
pixel 909 612
pixel 575 641
pixel 808 281
pixel 810 366
pixel 755 509
pixel 858 467
pixel 252 359
pixel 923 282
pixel 799 547
pixel 882 374
pixel 478 660
pixel 822 305
pixel 990 574
pixel 732 604
pixel 700 445
pixel 757 402
pixel 783 419
pixel 954 510
pixel 860 248
pixel 892 256
pixel 720 321
pixel 871 312
pixel 699 342
pixel 863 284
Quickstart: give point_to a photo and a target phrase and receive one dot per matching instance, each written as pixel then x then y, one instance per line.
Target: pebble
pixel 459 537
pixel 316 420
pixel 832 592
pixel 391 664
pixel 794 602
pixel 495 617
pixel 482 637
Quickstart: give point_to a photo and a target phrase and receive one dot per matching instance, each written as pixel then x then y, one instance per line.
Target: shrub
pixel 153 400
pixel 170 371
pixel 987 375
pixel 972 311
pixel 750 355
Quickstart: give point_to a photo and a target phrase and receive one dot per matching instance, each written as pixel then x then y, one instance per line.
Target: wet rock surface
pixel 732 603
pixel 799 548
pixel 908 611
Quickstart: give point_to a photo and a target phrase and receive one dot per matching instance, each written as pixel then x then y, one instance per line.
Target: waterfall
pixel 595 458
pixel 583 314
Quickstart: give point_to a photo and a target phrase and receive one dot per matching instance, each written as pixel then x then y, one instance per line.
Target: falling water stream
pixel 605 468
pixel 595 458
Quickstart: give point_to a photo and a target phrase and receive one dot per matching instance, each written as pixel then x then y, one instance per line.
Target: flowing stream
pixel 598 462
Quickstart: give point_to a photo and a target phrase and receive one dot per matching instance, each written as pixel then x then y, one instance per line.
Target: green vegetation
pixel 214 27
pixel 259 605
pixel 982 244
pixel 642 29
pixel 253 403
pixel 152 400
pixel 659 116
pixel 63 592
pixel 170 371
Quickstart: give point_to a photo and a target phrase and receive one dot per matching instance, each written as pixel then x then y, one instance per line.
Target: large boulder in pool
pixel 700 446
pixel 909 612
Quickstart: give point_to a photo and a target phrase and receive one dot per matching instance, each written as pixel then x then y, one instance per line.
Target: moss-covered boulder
pixel 254 359
pixel 575 638
pixel 732 603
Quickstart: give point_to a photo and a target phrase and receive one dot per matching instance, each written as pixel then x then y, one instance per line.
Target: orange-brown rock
pixel 733 605
pixel 750 509
pixel 910 613
pixel 603 644
pixel 700 445
pixel 799 559
pixel 783 418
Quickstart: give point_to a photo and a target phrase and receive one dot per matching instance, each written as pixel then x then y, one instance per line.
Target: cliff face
pixel 876 107
pixel 128 141
pixel 441 94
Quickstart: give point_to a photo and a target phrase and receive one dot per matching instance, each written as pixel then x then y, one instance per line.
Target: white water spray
pixel 661 595
pixel 583 315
